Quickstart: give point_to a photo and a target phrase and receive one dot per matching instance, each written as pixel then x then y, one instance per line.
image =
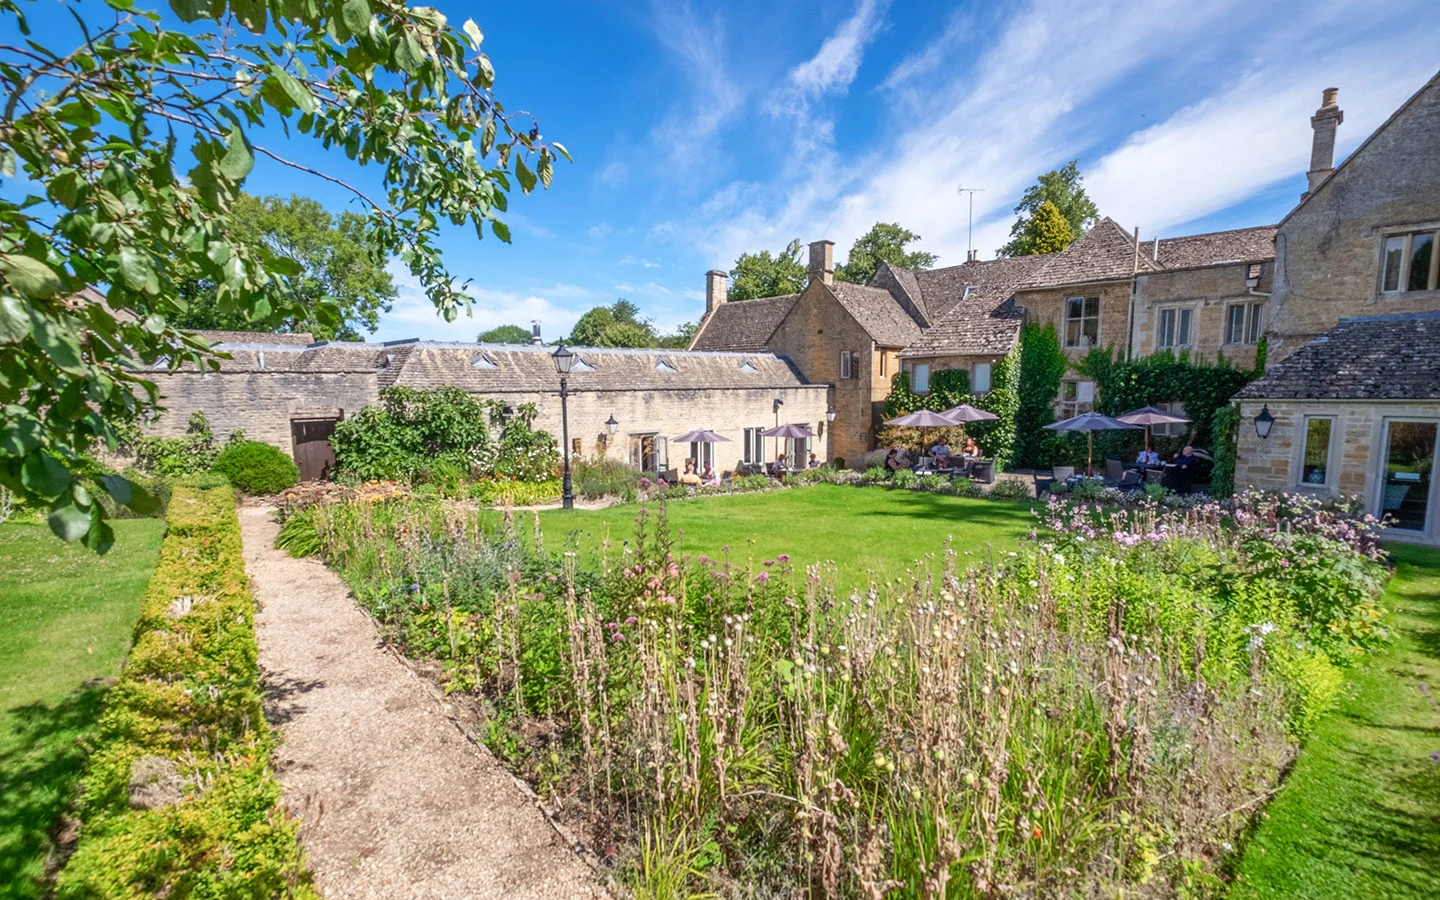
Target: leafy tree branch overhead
pixel 141 138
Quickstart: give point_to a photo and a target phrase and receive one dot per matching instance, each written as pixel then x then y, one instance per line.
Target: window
pixel 1175 328
pixel 884 364
pixel 1409 263
pixel 1244 323
pixel 1082 321
pixel 1315 465
pixel 1174 429
pixel 848 365
pixel 702 455
pixel 980 378
pixel 649 452
pixel 575 447
pixel 754 448
pixel 920 378
pixel 1076 397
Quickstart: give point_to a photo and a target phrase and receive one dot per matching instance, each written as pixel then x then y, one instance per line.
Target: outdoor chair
pixel 983 471
pixel 1114 471
pixel 1062 473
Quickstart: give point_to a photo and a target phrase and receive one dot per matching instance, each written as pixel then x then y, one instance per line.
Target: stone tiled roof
pixel 332 357
pixel 743 325
pixel 518 368
pixel 1104 253
pixel 982 323
pixel 903 285
pixel 879 313
pixel 255 337
pixel 1394 357
pixel 1196 250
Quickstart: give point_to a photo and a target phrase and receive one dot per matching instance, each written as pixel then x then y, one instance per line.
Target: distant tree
pixel 682 337
pixel 885 242
pixel 1047 231
pixel 1065 189
pixel 505 334
pixel 340 264
pixel 616 325
pixel 762 275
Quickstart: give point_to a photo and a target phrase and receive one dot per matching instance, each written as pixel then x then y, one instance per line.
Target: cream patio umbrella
pixel 1090 423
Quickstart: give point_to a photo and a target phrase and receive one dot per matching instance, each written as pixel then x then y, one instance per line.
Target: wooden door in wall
pixel 313 452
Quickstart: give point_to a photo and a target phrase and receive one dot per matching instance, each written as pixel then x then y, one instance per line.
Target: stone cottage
pixel 1351 402
pixel 624 404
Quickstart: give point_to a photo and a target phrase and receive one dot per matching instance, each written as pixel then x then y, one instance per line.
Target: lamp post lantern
pixel 611 425
pixel 1263 422
pixel 564 358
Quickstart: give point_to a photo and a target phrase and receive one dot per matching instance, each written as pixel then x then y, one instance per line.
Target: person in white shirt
pixel 1148 458
pixel 941 452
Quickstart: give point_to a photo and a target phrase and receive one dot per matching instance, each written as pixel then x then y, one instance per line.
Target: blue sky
pixel 701 130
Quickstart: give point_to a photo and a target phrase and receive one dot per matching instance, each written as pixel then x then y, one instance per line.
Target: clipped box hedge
pixel 188 702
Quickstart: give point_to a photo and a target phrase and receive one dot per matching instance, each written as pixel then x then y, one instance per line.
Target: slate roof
pixel 255 337
pixel 879 313
pixel 985 322
pixel 743 325
pixel 513 368
pixel 1217 247
pixel 1104 253
pixel 1394 357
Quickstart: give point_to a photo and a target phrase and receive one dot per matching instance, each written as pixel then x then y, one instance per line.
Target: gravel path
pixel 395 801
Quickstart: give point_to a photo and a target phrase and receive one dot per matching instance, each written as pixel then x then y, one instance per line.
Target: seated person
pixel 814 460
pixel 690 476
pixel 1182 475
pixel 1147 458
pixel 893 462
pixel 941 452
pixel 972 449
pixel 708 476
pixel 780 465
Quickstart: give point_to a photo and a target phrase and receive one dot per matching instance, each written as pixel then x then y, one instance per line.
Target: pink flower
pixel 762 578
pixel 784 557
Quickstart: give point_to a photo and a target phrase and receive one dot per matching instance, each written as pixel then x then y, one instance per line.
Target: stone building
pixel 1352 398
pixel 289 392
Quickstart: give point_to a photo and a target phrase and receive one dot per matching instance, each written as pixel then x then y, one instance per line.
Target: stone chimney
pixel 717 287
pixel 1322 152
pixel 822 261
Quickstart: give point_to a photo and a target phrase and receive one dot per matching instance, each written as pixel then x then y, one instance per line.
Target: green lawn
pixel 65 620
pixel 1360 814
pixel 870 533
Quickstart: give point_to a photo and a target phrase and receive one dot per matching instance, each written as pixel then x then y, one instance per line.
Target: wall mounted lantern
pixel 1263 422
pixel 830 414
pixel 611 424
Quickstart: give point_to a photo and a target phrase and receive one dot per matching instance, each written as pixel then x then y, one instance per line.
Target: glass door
pixel 1409 469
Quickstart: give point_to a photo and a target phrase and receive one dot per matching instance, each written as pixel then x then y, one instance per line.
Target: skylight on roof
pixel 662 364
pixel 483 361
pixel 747 366
pixel 580 365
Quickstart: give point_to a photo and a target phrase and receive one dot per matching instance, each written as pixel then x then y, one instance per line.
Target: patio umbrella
pixel 923 418
pixel 1148 416
pixel 967 413
pixel 791 432
pixel 701 436
pixel 1090 423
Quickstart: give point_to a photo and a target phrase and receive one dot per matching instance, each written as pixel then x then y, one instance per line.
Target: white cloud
pixel 414 316
pixel 639 261
pixel 715 95
pixel 834 66
pixel 599 230
pixel 613 174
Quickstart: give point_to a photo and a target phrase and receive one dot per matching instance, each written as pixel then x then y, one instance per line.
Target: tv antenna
pixel 970 237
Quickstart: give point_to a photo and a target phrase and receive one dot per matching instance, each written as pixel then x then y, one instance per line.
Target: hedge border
pixel 189 692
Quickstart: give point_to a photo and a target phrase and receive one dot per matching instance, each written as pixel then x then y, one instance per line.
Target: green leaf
pixel 44 476
pixel 7 162
pixel 283 265
pixel 560 148
pixel 57 342
pixel 356 15
pixel 14 322
pixel 82 496
pixel 502 231
pixel 237 161
pixel 120 488
pixel 69 522
pixel 101 537
pixel 65 189
pixel 29 276
pixel 293 89
pixel 473 32
pixel 135 268
pixel 20 436
pixel 153 323
pixel 408 54
pixel 525 176
pixel 251 14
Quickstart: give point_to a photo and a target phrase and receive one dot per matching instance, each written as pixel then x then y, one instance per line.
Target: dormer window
pixel 1410 263
pixel 581 365
pixel 483 361
pixel 747 366
pixel 161 363
pixel 663 364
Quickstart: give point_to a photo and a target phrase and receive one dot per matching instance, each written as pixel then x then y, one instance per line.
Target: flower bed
pixel 179 799
pixel 1096 712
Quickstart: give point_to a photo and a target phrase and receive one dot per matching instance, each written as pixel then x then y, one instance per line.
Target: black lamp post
pixel 564 359
pixel 1263 422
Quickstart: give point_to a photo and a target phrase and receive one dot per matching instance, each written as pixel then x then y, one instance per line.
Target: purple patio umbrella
pixel 1148 416
pixel 791 432
pixel 923 419
pixel 701 436
pixel 1090 423
pixel 967 413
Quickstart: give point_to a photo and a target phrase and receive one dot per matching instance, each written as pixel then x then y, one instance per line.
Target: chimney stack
pixel 535 332
pixel 1322 152
pixel 1155 250
pixel 822 261
pixel 972 256
pixel 717 288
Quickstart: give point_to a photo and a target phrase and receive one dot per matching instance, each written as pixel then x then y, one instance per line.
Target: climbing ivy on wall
pixel 951 387
pixel 1042 366
pixel 1123 385
pixel 1223 428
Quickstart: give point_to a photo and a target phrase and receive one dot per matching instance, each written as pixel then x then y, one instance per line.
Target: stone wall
pixel 812 336
pixel 261 403
pixel 1357 446
pixel 1209 291
pixel 1328 251
pixel 1049 306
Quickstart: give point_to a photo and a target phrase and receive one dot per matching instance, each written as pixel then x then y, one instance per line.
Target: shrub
pixel 1010 489
pixel 599 477
pixel 167 457
pixel 930 482
pixel 875 475
pixel 256 467
pixel 752 483
pixel 838 462
pixel 190 694
pixel 504 492
pixel 904 478
pixel 298 536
